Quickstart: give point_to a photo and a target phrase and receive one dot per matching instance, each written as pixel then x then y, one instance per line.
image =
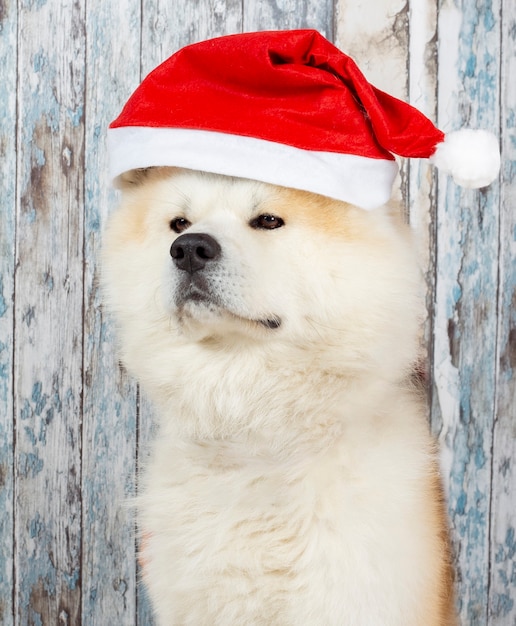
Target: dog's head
pixel 196 258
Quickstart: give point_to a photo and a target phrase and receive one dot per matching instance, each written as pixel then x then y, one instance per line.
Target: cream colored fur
pixel 292 480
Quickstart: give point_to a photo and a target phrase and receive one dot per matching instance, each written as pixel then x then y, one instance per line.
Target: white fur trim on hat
pixel 472 157
pixel 362 181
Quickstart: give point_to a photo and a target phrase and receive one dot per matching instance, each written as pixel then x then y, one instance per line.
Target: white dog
pixel 292 480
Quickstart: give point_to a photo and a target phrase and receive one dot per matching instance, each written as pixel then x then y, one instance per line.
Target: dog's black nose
pixel 192 251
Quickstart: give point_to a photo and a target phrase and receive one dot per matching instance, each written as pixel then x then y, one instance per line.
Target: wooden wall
pixel 71 423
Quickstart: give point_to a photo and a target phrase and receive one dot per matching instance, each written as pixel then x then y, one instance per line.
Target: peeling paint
pixel 38 398
pixel 510 544
pixel 33 4
pixel 466 301
pixel 502 605
pixel 28 315
pixel 29 464
pixel 3 303
pixel 76 116
pixel 72 579
pixel 36 527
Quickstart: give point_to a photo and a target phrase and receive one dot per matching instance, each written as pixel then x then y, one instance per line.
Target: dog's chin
pixel 200 318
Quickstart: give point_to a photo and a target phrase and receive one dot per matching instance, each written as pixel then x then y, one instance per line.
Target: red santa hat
pixel 287 108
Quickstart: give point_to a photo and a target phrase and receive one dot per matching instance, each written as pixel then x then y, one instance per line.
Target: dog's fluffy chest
pixel 235 538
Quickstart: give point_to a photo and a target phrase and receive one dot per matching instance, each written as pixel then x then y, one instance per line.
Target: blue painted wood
pixel 502 599
pixel 421 192
pixel 8 61
pixel 167 26
pixel 283 14
pixel 48 313
pixel 109 581
pixel 465 327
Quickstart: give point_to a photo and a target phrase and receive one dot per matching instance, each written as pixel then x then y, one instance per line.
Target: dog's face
pixel 193 257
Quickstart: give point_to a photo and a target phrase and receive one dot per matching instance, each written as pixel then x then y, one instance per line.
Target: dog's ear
pixel 133 178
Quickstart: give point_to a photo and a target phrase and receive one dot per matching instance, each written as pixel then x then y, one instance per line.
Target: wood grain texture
pixel 421 188
pixel 421 179
pixel 48 313
pixel 466 298
pixel 502 590
pixel 8 107
pixel 109 581
pixel 283 14
pixel 73 427
pixel 379 43
pixel 167 26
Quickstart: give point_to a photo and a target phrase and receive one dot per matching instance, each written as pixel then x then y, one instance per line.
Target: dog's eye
pixel 266 221
pixel 179 224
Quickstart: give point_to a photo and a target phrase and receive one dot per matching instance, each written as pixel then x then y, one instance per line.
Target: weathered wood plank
pixel 421 177
pixel 466 296
pixel 421 180
pixel 168 26
pixel 502 591
pixel 8 61
pixel 377 38
pixel 284 14
pixel 48 313
pixel 109 399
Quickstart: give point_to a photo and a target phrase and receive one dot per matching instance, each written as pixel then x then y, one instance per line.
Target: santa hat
pixel 287 108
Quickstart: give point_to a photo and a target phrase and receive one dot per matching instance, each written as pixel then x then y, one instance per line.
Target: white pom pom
pixel 472 157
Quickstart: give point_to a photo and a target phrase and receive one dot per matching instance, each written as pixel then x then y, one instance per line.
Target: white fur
pixel 290 480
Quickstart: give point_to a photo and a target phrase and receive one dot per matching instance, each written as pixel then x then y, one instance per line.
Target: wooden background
pixel 72 424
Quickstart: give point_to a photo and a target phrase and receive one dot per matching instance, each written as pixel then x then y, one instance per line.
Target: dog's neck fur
pixel 288 408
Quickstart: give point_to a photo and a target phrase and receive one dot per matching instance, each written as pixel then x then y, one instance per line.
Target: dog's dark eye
pixel 267 222
pixel 179 224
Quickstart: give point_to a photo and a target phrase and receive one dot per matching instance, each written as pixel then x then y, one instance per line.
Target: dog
pixel 292 479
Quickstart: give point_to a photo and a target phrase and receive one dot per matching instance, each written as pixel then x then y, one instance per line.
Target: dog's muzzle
pixel 192 253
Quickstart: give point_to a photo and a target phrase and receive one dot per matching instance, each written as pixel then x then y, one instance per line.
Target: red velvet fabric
pixel 290 87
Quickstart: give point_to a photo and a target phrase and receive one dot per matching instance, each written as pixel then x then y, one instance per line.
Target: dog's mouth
pixel 194 292
pixel 272 322
pixel 196 302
